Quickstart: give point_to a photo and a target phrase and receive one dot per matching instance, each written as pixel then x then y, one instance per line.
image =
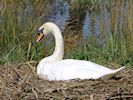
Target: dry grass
pixel 19 21
pixel 20 81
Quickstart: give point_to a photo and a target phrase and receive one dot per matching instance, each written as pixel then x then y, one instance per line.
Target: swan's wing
pixel 82 64
pixel 70 69
pixel 113 73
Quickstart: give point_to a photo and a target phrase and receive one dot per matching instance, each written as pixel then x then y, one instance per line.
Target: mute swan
pixel 55 67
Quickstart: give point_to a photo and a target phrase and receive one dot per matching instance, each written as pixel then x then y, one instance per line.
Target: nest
pixel 19 81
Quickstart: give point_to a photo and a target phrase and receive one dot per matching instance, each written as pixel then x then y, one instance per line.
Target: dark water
pixel 60 14
pixel 91 22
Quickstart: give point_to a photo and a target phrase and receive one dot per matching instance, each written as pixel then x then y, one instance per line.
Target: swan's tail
pixel 114 72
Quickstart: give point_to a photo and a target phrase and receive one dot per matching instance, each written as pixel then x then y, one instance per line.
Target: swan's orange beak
pixel 39 37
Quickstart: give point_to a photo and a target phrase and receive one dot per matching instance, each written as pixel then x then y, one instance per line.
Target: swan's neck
pixel 59 44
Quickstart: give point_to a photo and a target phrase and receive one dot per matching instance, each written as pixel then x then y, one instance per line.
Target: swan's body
pixel 55 68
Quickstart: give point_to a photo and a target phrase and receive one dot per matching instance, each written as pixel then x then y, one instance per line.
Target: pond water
pixel 59 13
pixel 97 21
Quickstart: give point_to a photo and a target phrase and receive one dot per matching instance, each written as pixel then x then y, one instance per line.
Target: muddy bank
pixel 19 81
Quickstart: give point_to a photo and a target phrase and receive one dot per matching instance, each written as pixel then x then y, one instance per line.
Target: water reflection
pixel 58 14
pixel 94 23
pixel 86 26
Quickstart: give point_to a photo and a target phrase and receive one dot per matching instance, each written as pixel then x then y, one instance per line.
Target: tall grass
pixel 117 40
pixel 78 4
pixel 113 52
pixel 18 21
pixel 122 31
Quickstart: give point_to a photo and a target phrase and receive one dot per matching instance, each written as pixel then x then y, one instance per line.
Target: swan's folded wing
pixel 70 69
pixel 82 64
pixel 113 73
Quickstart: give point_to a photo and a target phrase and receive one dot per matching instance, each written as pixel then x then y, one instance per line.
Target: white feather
pixel 55 68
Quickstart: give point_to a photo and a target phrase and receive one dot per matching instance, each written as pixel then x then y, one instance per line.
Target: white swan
pixel 55 67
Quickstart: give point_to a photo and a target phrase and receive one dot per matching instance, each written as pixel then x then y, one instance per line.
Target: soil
pixel 20 82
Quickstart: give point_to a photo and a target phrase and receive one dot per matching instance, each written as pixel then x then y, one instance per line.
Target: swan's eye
pixel 40 31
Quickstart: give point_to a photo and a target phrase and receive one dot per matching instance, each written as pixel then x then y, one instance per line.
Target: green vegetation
pixel 18 23
pixel 113 52
pixel 77 4
pixel 18 26
pixel 117 44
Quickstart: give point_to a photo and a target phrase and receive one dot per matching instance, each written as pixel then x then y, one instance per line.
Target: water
pixel 61 14
pixel 100 22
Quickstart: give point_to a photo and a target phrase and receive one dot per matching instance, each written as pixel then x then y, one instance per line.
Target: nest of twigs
pixel 19 81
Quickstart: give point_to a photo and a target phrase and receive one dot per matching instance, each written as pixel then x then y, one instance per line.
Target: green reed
pixel 18 27
pixel 75 4
pixel 18 24
pixel 113 52
pixel 117 42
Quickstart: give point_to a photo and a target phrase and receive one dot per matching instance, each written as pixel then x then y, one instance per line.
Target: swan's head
pixel 44 30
